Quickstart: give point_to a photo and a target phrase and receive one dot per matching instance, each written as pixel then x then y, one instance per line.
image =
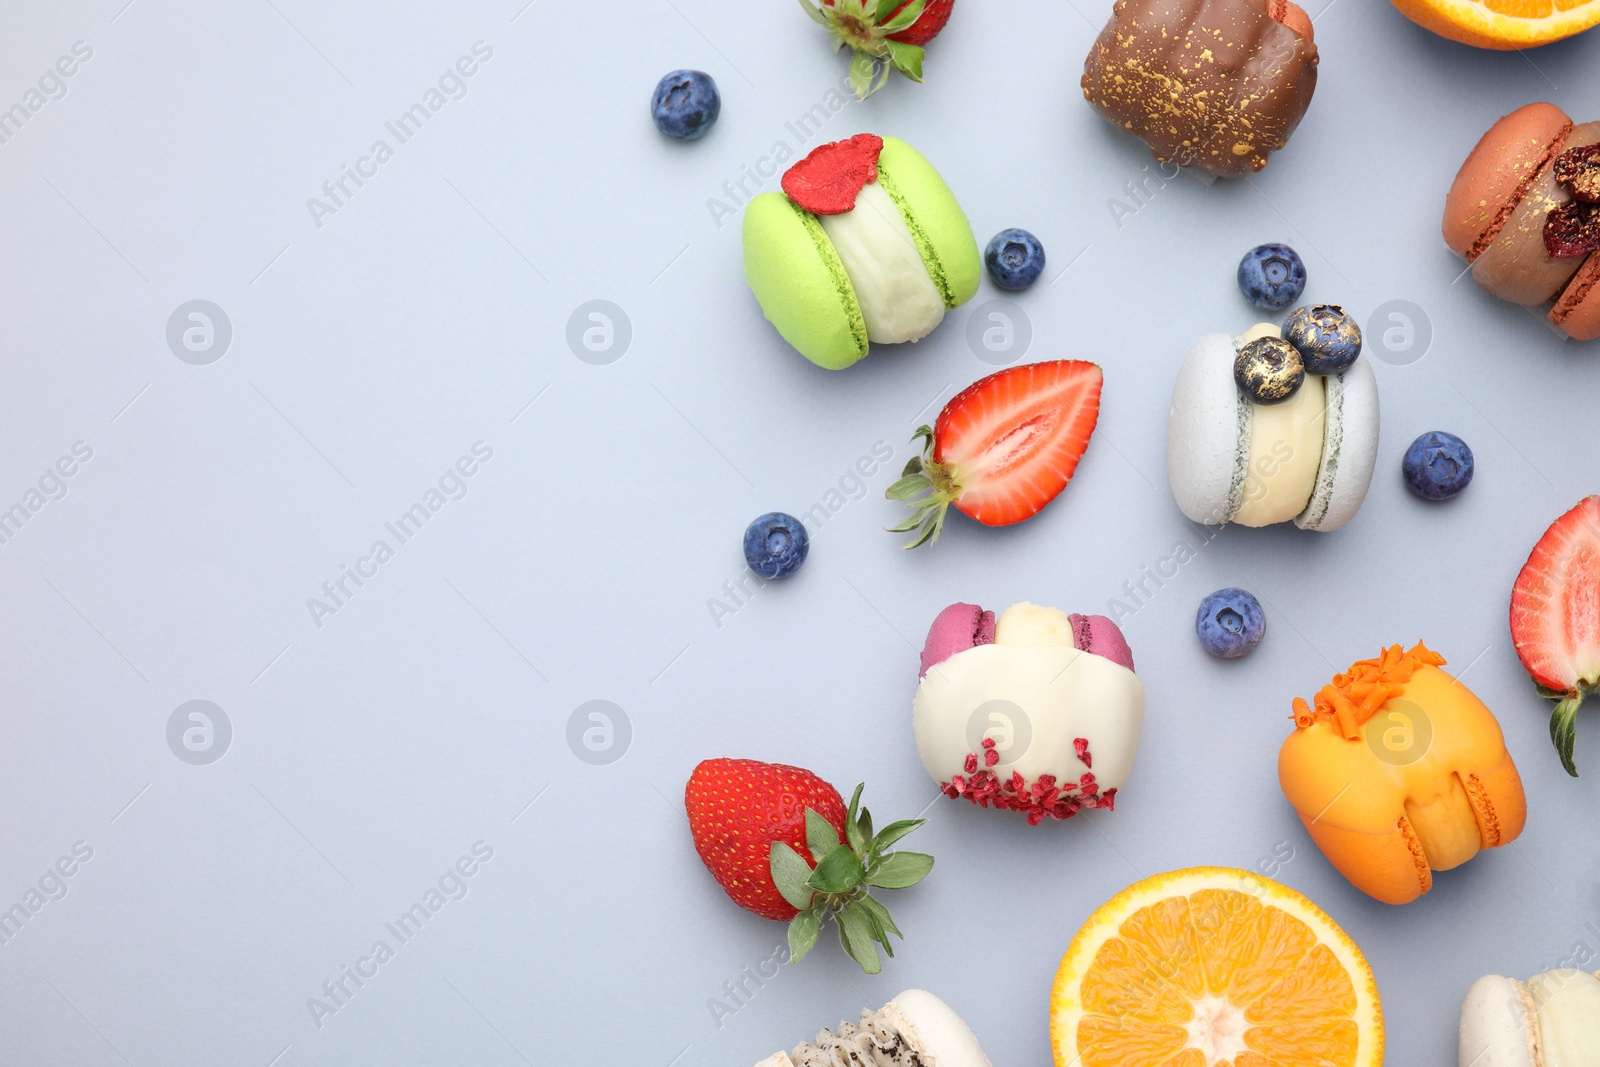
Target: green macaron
pixel 801 283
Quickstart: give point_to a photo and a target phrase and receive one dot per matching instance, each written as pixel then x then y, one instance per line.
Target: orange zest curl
pixel 1356 695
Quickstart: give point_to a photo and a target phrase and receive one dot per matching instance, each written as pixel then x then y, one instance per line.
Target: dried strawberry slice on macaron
pixel 828 180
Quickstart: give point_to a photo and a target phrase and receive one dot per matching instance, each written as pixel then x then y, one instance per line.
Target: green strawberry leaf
pixel 839 872
pixel 861 73
pixel 803 930
pixel 815 12
pixel 908 487
pixel 852 829
pixel 894 832
pixel 924 433
pixel 1564 731
pixel 929 531
pixel 881 921
pixel 864 828
pixel 1553 694
pixel 909 14
pixel 907 59
pixel 821 837
pixel 898 870
pixel 789 873
pixel 913 465
pixel 886 8
pixel 918 517
pixel 855 934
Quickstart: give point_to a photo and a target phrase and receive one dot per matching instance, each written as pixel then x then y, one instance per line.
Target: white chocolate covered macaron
pixel 1037 711
pixel 915 1029
pixel 1551 1020
pixel 1309 458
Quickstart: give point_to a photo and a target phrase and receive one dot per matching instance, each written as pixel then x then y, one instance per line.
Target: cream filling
pixel 899 300
pixel 1285 449
pixel 1445 827
pixel 1028 625
pixel 874 1042
pixel 1567 1004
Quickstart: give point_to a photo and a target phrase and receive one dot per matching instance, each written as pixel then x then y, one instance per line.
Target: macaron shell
pixel 1505 159
pixel 1349 449
pixel 934 216
pixel 1577 311
pixel 1515 266
pixel 1208 429
pixel 802 287
pixel 933 1028
pixel 1497 1026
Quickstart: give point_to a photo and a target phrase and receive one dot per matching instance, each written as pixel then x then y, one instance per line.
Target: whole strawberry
pixel 781 843
pixel 883 35
pixel 1555 619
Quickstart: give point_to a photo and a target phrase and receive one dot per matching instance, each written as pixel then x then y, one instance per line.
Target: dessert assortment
pixel 1524 210
pixel 1395 768
pixel 1551 1020
pixel 1214 85
pixel 915 1029
pixel 1213 966
pixel 1035 711
pixel 1275 425
pixel 866 243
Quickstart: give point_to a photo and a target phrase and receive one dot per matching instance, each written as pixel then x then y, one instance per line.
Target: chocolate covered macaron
pixel 1524 210
pixel 1216 85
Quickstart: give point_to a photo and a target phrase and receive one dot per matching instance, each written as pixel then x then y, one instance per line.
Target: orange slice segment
pixel 1503 24
pixel 1213 967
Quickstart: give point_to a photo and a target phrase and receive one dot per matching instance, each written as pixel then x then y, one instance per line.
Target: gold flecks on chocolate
pixel 1215 84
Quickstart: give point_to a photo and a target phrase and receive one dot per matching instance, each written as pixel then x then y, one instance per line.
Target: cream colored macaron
pixel 915 1029
pixel 1309 459
pixel 1551 1020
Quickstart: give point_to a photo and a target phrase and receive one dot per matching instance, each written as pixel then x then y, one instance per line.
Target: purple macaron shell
pixel 956 629
pixel 1099 635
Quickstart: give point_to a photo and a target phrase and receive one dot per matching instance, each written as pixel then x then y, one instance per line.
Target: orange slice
pixel 1214 967
pixel 1503 24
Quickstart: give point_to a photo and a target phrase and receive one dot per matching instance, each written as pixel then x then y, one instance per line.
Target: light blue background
pixel 430 711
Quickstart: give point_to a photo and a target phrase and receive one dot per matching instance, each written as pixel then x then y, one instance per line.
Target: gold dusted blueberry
pixel 1269 370
pixel 1328 339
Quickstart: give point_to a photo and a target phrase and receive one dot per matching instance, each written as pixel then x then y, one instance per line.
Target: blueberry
pixel 1328 339
pixel 1272 276
pixel 775 545
pixel 686 104
pixel 1015 259
pixel 1230 623
pixel 1269 370
pixel 1438 465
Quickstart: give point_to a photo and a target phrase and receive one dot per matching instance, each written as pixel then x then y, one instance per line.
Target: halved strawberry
pixel 1003 447
pixel 883 35
pixel 1555 618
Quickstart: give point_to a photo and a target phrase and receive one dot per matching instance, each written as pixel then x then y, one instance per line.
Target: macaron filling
pixel 1567 1005
pixel 876 1041
pixel 898 298
pixel 1285 450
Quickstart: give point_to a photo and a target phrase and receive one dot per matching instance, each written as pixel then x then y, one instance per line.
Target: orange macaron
pixel 1510 215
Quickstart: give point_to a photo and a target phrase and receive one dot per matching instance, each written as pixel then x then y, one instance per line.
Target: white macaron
pixel 1309 459
pixel 1551 1020
pixel 915 1029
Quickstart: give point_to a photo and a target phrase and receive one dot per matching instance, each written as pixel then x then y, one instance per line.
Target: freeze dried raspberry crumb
pixel 1572 230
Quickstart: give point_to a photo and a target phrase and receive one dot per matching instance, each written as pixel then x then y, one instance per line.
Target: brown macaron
pixel 1498 208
